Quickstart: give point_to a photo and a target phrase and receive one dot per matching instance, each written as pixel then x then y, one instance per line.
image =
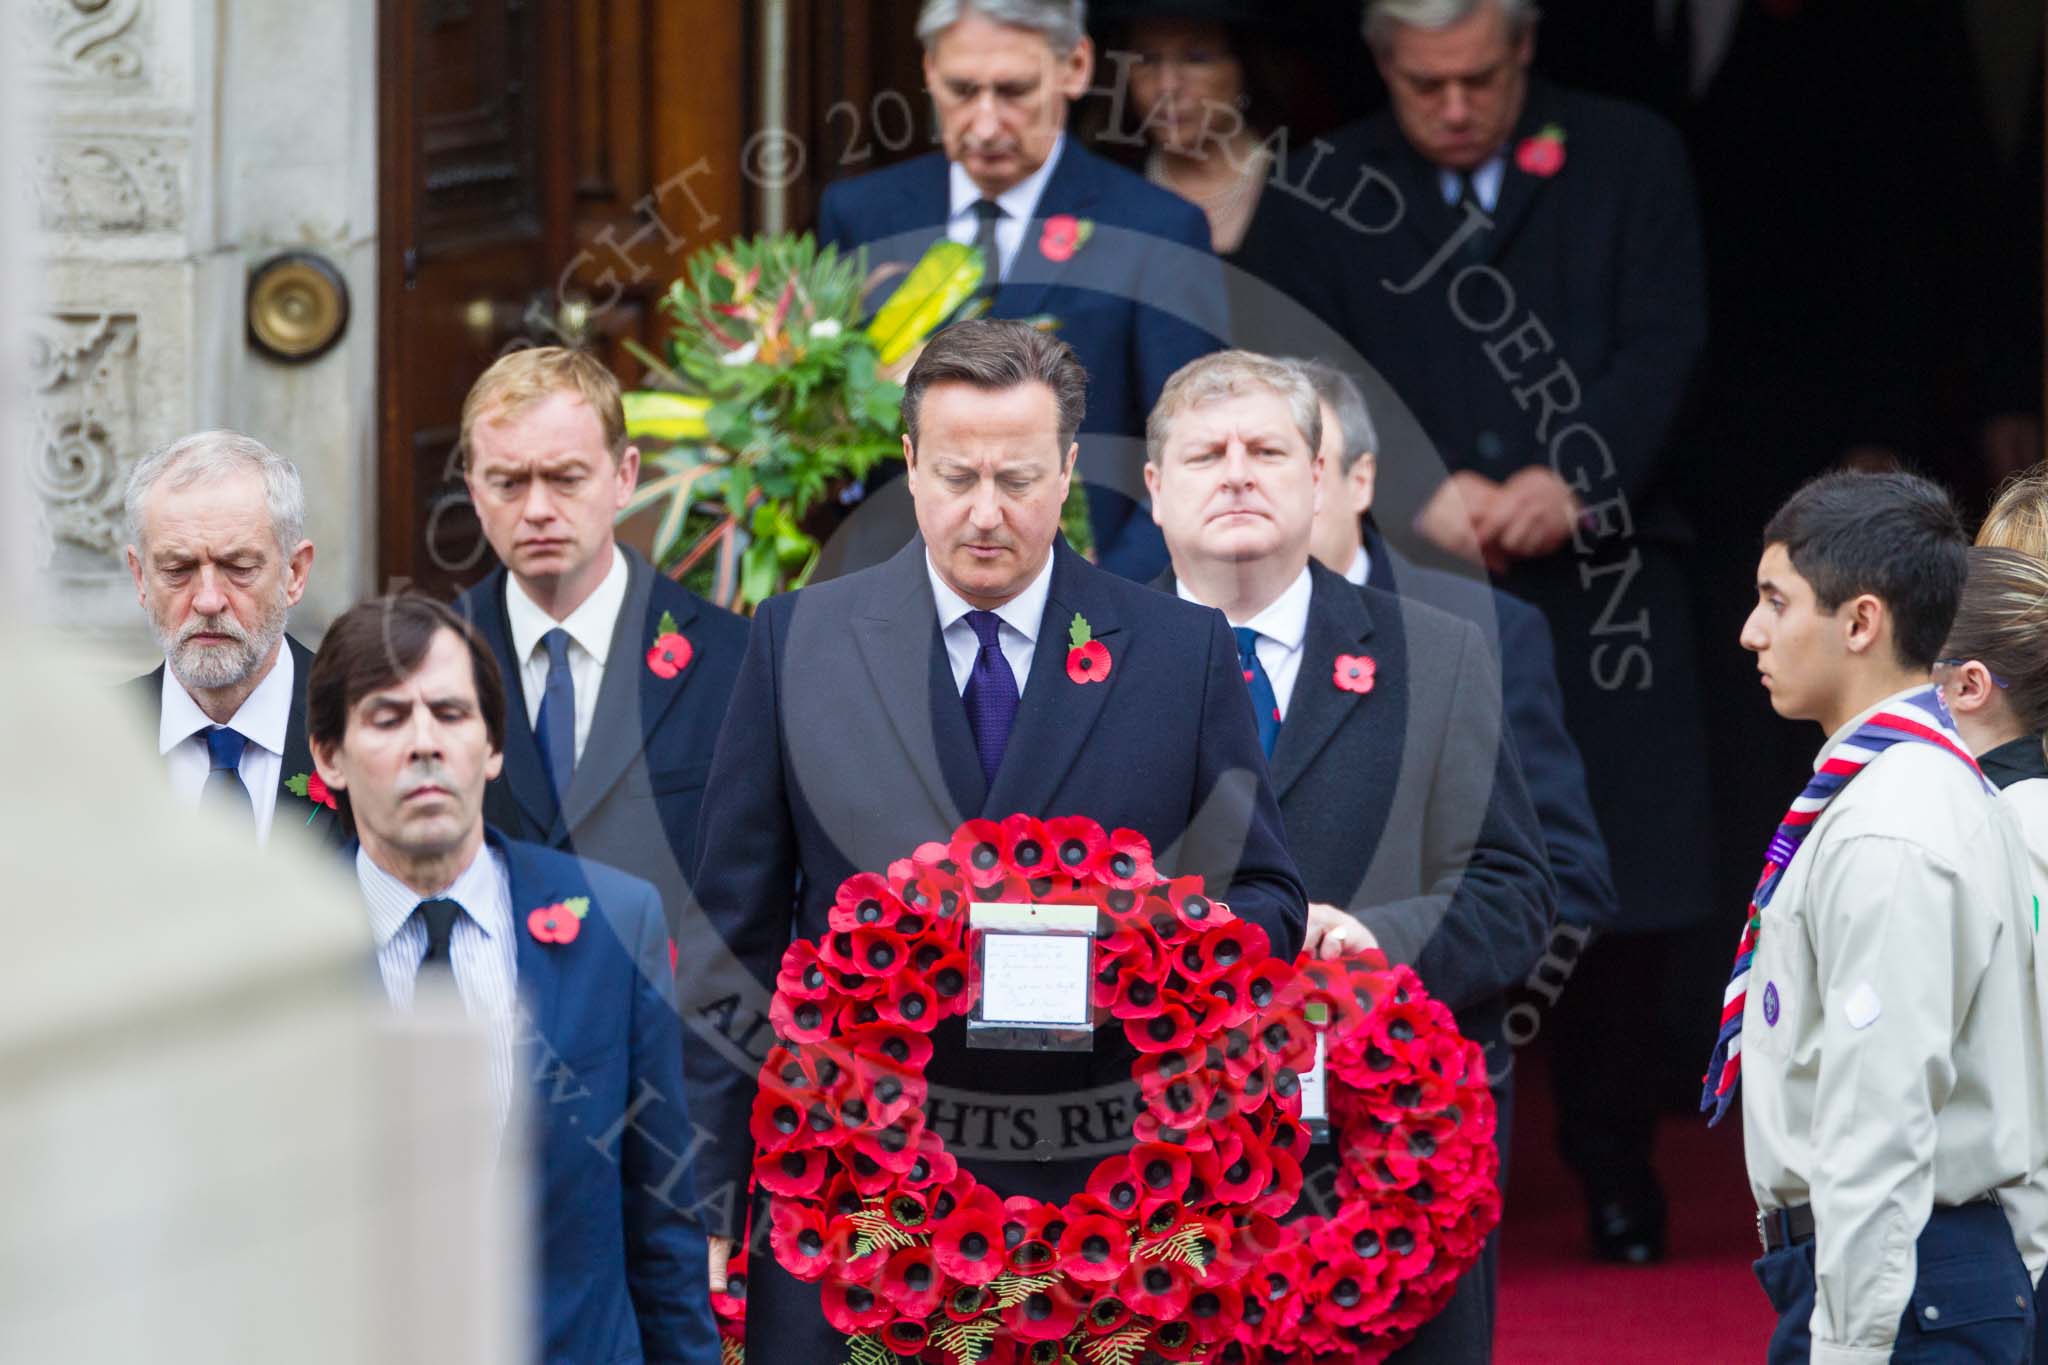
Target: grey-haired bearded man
pixel 218 551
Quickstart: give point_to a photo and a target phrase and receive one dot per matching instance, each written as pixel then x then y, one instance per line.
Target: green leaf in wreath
pixel 739 482
pixel 937 285
pixel 1074 520
pixel 730 423
pixel 654 415
pixel 968 1341
pixel 868 1350
pixel 760 568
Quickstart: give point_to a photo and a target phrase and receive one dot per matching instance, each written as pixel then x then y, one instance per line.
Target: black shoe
pixel 1628 1230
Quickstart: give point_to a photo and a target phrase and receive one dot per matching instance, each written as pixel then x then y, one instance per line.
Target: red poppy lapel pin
pixel 309 786
pixel 1087 657
pixel 1354 673
pixel 1542 153
pixel 671 652
pixel 560 922
pixel 1063 236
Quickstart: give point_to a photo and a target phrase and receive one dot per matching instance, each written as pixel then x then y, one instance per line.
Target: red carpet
pixel 1700 1305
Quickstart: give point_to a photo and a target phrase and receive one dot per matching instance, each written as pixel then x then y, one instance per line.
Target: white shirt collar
pixel 391 902
pixel 262 719
pixel 1486 178
pixel 1360 570
pixel 1023 613
pixel 1284 620
pixel 1019 203
pixel 590 625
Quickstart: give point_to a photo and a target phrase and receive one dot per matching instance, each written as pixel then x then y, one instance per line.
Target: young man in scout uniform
pixel 1882 1014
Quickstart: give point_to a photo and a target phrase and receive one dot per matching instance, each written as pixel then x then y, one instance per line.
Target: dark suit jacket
pixel 1405 804
pixel 293 810
pixel 1534 707
pixel 633 801
pixel 1142 298
pixel 848 746
pixel 622 1268
pixel 1606 255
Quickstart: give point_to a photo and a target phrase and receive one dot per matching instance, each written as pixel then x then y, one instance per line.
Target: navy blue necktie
pixel 224 790
pixel 987 212
pixel 991 694
pixel 556 726
pixel 1265 701
pixel 1474 247
pixel 439 916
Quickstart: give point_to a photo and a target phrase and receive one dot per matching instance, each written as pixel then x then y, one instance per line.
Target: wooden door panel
pixel 546 165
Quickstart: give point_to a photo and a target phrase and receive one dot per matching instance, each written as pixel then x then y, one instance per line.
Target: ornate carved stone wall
pixel 82 373
pixel 182 143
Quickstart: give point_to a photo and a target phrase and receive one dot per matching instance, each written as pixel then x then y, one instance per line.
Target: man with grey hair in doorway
pixel 217 547
pixel 1403 803
pixel 1124 267
pixel 1521 263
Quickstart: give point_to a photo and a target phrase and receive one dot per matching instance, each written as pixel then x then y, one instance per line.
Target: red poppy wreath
pixel 1417 1176
pixel 1174 1250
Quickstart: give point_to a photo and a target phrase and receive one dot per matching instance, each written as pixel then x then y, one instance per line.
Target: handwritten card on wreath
pixel 1035 963
pixel 1034 979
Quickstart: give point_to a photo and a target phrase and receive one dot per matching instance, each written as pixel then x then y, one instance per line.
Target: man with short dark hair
pixel 1124 267
pixel 1882 1016
pixel 879 711
pixel 567 962
pixel 218 551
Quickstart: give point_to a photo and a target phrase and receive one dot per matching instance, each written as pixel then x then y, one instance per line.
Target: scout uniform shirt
pixel 1891 1044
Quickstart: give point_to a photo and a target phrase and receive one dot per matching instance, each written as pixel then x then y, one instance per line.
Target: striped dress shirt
pixel 481 948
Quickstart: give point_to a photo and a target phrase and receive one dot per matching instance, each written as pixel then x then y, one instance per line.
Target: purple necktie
pixel 991 694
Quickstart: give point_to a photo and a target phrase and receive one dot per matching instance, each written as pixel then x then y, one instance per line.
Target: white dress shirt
pixel 1282 625
pixel 1019 204
pixel 590 629
pixel 1360 570
pixel 1485 182
pixel 1023 617
pixel 1891 1053
pixel 263 718
pixel 481 949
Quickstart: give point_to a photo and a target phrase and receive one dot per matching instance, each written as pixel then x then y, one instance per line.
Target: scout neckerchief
pixel 1918 718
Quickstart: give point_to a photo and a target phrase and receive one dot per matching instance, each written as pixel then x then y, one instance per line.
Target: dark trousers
pixel 1606 1062
pixel 785 1325
pixel 1971 1300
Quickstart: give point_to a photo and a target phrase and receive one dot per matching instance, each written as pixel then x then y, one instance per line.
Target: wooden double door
pixel 548 166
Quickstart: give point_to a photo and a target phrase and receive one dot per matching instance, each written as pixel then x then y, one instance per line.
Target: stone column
pixel 183 142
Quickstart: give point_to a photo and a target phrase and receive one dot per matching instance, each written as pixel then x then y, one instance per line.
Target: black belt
pixel 1780 1228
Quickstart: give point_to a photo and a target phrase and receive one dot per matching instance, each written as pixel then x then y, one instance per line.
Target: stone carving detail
pixel 87 40
pixel 82 373
pixel 106 187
